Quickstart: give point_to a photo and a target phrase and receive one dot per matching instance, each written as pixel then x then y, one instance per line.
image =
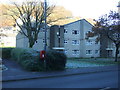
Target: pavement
pixel 15 72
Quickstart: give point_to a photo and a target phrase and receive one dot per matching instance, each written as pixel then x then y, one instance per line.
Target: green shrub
pixel 28 59
pixel 5 53
pixel 15 53
pixel 27 53
pixel 55 60
pixel 33 65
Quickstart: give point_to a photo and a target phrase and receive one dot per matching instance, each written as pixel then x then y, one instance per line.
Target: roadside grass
pixel 90 62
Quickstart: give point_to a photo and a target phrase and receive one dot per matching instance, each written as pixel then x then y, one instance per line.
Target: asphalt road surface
pixel 92 80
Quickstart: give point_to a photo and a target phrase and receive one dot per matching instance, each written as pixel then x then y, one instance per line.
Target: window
pixel 66 51
pixel 89 42
pixel 65 41
pixel 75 52
pixel 88 32
pixel 75 42
pixel 96 42
pixel 43 41
pixel 75 32
pixel 65 31
pixel 88 52
pixel 96 51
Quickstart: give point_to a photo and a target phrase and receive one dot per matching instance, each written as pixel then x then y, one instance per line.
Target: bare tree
pixel 29 17
pixel 108 26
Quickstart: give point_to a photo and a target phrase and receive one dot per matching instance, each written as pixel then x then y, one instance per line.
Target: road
pixel 92 80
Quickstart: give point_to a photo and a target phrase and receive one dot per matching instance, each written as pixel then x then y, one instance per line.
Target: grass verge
pixel 90 62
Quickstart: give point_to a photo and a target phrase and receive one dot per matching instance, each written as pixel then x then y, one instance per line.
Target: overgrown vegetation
pixel 5 53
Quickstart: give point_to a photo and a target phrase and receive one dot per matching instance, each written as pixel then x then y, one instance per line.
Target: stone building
pixel 70 37
pixel 22 41
pixel 75 42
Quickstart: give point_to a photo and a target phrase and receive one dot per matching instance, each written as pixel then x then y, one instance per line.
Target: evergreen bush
pixel 55 60
pixel 16 53
pixel 32 65
pixel 5 53
pixel 28 59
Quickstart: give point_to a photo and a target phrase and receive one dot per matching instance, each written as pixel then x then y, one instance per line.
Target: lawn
pixel 90 62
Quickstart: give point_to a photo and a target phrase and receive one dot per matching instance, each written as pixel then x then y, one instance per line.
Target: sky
pixel 84 8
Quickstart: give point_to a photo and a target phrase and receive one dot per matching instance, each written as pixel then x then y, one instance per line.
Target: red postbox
pixel 42 54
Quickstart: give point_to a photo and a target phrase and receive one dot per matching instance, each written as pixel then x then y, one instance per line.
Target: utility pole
pixel 45 46
pixel 45 24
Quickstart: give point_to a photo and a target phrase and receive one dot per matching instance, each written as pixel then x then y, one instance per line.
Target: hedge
pixel 55 60
pixel 5 53
pixel 19 54
pixel 28 59
pixel 16 53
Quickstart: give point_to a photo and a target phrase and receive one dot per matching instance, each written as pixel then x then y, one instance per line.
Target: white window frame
pixel 75 42
pixel 66 51
pixel 75 52
pixel 65 41
pixel 96 51
pixel 96 42
pixel 89 42
pixel 43 41
pixel 89 52
pixel 65 31
pixel 75 32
